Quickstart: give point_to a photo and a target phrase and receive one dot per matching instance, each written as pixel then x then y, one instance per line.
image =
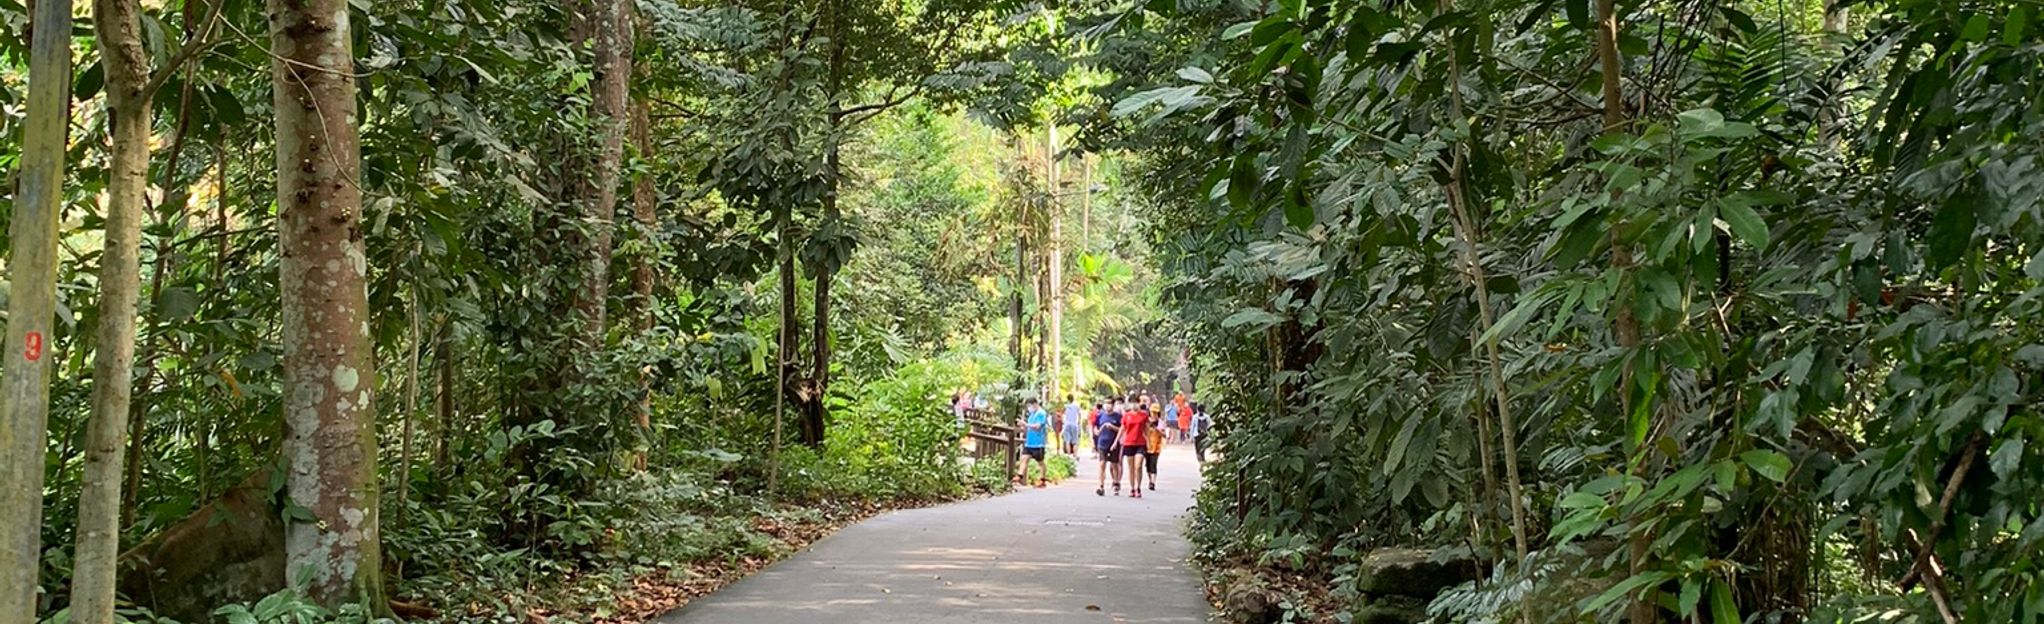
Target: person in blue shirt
pixel 1036 430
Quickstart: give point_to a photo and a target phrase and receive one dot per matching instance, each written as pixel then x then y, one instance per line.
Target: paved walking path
pixel 1059 554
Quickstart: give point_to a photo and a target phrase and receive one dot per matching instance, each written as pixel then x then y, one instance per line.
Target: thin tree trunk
pixel 1039 279
pixel 204 438
pixel 644 212
pixel 410 409
pixel 1483 462
pixel 1625 325
pixel 1015 336
pixel 443 363
pixel 1086 204
pixel 164 264
pixel 220 209
pixel 99 498
pixel 32 309
pixel 1465 229
pixel 788 340
pixel 329 374
pixel 813 409
pixel 1055 336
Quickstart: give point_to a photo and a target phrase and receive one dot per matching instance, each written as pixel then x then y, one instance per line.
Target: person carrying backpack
pixel 1202 426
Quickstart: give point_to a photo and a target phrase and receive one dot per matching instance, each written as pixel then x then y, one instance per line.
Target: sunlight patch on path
pixel 1059 554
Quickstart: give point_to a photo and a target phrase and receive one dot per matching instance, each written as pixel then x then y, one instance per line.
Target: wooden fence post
pixel 1008 454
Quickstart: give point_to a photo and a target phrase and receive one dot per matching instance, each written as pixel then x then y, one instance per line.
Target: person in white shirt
pixel 1201 424
pixel 1068 429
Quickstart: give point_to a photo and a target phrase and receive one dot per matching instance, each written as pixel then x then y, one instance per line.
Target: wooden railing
pixel 992 437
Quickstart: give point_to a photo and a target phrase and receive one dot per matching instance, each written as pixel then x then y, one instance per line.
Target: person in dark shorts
pixel 1107 446
pixel 1035 436
pixel 1135 442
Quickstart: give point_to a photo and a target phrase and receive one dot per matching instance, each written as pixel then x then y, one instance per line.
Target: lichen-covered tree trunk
pixel 331 540
pixel 32 309
pixel 98 539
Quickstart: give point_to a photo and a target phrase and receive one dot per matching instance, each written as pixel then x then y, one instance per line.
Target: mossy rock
pixel 1410 572
pixel 1246 599
pixel 231 550
pixel 1390 610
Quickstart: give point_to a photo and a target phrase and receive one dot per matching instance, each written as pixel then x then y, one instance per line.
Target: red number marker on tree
pixel 35 346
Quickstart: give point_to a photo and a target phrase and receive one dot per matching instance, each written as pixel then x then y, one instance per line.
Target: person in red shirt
pixel 1135 426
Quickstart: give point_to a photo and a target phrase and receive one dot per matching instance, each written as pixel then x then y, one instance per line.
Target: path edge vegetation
pixel 355 328
pixel 1760 285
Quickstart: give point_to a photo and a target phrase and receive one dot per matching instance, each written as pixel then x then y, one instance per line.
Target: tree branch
pixel 876 108
pixel 1937 522
pixel 205 41
pixel 680 111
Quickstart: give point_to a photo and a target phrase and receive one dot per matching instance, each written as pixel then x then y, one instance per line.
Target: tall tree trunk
pixel 1625 326
pixel 1016 331
pixel 32 309
pixel 329 375
pixel 644 213
pixel 1486 351
pixel 99 499
pixel 610 27
pixel 789 336
pixel 1056 280
pixel 814 413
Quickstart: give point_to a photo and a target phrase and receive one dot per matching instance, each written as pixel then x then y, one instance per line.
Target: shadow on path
pixel 1059 554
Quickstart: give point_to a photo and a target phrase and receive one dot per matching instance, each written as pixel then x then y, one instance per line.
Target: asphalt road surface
pixel 1060 554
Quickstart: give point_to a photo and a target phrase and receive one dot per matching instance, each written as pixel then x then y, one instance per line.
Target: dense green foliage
pixel 1655 309
pixel 1754 337
pixel 525 463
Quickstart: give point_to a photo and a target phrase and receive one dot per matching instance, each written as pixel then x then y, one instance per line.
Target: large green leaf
pixel 1951 230
pixel 1771 464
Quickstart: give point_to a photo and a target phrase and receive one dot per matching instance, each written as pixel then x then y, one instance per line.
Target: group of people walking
pixel 1127 434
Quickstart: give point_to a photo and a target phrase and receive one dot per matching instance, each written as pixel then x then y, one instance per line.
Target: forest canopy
pixel 1641 310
